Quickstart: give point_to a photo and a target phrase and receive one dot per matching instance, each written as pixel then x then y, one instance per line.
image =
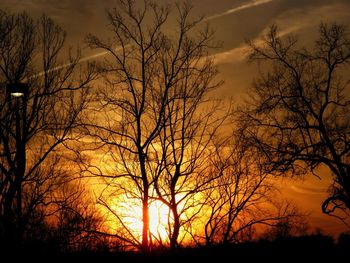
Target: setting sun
pixel 159 218
pixel 131 213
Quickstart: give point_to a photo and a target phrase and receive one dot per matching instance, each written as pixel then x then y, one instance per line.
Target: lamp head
pixel 17 89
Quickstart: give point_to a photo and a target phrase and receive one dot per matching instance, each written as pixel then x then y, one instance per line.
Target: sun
pixel 159 220
pixel 131 214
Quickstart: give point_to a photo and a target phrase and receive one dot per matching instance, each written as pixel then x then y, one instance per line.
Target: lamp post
pixel 19 91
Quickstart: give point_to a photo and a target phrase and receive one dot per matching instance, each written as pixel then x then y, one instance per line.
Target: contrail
pixel 100 54
pixel 238 8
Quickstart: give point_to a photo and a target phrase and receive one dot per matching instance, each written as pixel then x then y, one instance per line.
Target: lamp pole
pixel 19 91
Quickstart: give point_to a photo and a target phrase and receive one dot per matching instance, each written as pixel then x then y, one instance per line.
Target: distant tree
pixel 288 226
pixel 145 101
pixel 34 128
pixel 241 197
pixel 76 223
pixel 298 112
pixel 68 221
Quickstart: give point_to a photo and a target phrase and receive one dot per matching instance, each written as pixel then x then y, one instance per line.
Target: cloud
pixel 308 190
pixel 239 8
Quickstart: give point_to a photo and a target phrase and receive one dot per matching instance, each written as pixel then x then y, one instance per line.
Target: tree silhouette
pixel 184 146
pixel 297 114
pixel 241 196
pixel 191 119
pixel 145 76
pixel 34 128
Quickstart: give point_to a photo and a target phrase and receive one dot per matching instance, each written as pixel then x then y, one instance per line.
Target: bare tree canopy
pixel 298 115
pixel 155 83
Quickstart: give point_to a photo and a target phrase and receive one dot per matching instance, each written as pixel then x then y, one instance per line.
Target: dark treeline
pixel 84 143
pixel 315 247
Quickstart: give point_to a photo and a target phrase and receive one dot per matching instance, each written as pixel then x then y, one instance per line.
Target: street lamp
pixel 19 91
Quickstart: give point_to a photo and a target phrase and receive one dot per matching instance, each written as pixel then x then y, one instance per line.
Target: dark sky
pixel 234 21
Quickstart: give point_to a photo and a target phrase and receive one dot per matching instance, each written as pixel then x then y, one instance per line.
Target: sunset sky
pixel 234 22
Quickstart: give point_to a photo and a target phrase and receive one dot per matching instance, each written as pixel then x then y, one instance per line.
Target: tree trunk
pixel 176 228
pixel 145 208
pixel 145 222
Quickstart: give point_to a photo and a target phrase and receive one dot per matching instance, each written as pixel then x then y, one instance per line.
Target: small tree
pixel 298 112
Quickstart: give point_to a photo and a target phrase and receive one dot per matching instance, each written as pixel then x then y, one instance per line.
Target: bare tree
pixel 298 114
pixel 241 197
pixel 184 147
pixel 34 126
pixel 144 73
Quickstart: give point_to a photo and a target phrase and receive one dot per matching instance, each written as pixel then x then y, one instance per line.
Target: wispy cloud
pixel 238 8
pixel 308 190
pixel 288 22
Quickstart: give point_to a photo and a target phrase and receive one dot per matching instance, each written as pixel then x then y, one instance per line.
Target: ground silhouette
pixel 308 248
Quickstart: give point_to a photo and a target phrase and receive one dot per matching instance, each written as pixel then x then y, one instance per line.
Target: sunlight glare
pixel 159 217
